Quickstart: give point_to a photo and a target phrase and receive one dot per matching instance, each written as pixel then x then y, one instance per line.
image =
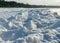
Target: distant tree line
pixel 11 4
pixel 15 4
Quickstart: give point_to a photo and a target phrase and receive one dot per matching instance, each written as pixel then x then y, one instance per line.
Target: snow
pixel 55 10
pixel 2 28
pixel 10 24
pixel 33 25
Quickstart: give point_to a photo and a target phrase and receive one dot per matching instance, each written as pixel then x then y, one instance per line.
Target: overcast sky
pixel 39 2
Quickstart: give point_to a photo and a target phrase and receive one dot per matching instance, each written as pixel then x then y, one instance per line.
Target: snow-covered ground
pixel 13 11
pixel 29 25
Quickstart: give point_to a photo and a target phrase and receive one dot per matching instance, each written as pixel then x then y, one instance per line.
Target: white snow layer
pixel 35 22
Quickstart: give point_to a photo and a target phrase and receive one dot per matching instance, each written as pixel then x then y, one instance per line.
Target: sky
pixel 38 2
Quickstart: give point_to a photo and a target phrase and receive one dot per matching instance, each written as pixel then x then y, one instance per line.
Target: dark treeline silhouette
pixel 15 4
pixel 11 4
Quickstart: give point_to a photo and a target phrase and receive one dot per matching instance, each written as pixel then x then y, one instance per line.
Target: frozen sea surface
pixel 29 25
